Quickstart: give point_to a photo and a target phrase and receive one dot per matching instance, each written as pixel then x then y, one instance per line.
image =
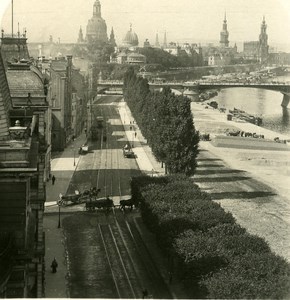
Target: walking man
pixel 53 179
pixel 54 265
pixel 144 294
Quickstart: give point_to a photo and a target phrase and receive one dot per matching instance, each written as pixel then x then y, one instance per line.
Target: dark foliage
pixel 166 122
pixel 212 255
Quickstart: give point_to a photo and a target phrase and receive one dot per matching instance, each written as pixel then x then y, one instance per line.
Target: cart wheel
pixel 87 208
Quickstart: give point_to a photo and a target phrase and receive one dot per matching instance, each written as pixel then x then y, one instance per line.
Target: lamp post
pixel 58 203
pixel 74 155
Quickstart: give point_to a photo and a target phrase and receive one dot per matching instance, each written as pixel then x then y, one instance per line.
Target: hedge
pixel 212 254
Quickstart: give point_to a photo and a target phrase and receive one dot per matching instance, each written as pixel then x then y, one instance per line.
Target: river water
pixel 259 102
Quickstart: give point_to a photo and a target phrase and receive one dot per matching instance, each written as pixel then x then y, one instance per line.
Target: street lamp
pixel 74 155
pixel 59 203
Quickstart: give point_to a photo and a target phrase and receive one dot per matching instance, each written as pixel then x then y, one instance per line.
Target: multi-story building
pixel 67 95
pixel 251 50
pixel 60 93
pixel 23 153
pixel 279 58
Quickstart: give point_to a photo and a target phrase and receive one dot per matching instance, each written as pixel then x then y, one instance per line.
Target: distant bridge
pixel 202 85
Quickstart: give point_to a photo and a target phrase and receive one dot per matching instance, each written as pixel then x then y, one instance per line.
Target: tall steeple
pixel 112 40
pixel 157 45
pixel 224 35
pixel 81 36
pixel 263 42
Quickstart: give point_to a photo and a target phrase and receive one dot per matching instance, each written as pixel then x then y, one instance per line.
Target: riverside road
pixel 106 254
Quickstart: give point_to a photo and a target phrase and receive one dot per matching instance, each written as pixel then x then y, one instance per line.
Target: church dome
pixel 97 28
pixel 131 38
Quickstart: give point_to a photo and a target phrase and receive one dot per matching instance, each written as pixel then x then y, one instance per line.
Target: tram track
pixel 121 270
pixel 129 266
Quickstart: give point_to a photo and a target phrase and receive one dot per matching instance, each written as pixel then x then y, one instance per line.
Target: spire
pixel 112 40
pixel 225 19
pixel 165 40
pixel 157 45
pixel 263 42
pixel 81 36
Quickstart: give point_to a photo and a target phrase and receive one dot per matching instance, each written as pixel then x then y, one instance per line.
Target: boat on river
pixel 242 115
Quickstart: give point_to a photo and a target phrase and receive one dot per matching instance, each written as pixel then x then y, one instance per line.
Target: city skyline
pixel 184 21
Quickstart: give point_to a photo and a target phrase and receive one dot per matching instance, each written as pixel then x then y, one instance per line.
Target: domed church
pixel 96 28
pixel 131 39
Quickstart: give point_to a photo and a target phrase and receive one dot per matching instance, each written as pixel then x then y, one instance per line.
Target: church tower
pixel 97 9
pixel 224 36
pixel 112 40
pixel 81 36
pixel 96 29
pixel 263 43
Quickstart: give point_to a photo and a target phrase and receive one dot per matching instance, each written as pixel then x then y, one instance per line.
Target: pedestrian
pixel 144 294
pixel 54 265
pixel 170 277
pixel 135 134
pixel 53 179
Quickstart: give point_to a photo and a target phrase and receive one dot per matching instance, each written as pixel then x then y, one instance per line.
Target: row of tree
pixel 165 121
pixel 206 248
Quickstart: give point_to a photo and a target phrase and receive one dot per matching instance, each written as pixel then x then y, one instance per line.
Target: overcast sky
pixel 184 20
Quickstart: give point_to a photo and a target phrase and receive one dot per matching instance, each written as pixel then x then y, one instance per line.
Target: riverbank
pixel 263 209
pixel 264 162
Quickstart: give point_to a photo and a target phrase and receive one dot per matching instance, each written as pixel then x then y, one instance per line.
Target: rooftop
pixel 22 82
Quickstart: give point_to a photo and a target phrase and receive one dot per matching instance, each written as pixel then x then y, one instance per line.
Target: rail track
pixel 114 244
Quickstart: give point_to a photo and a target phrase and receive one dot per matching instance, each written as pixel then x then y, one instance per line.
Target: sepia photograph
pixel 145 149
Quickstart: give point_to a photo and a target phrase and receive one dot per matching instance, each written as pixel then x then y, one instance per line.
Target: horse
pixel 124 203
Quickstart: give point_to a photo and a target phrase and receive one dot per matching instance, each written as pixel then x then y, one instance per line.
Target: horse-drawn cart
pixel 77 197
pixel 104 203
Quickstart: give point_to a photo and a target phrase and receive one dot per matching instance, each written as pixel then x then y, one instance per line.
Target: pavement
pixel 63 166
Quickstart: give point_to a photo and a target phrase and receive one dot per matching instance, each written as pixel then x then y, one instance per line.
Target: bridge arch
pixel 277 87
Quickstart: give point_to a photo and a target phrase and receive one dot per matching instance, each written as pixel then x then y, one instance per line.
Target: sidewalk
pixel 144 156
pixel 63 166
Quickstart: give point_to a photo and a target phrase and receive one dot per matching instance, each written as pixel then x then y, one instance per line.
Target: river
pixel 259 102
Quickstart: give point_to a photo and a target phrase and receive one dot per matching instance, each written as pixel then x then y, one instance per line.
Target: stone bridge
pixel 202 85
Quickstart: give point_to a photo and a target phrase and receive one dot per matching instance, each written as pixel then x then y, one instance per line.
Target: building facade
pixel 23 153
pixel 68 100
pixel 60 93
